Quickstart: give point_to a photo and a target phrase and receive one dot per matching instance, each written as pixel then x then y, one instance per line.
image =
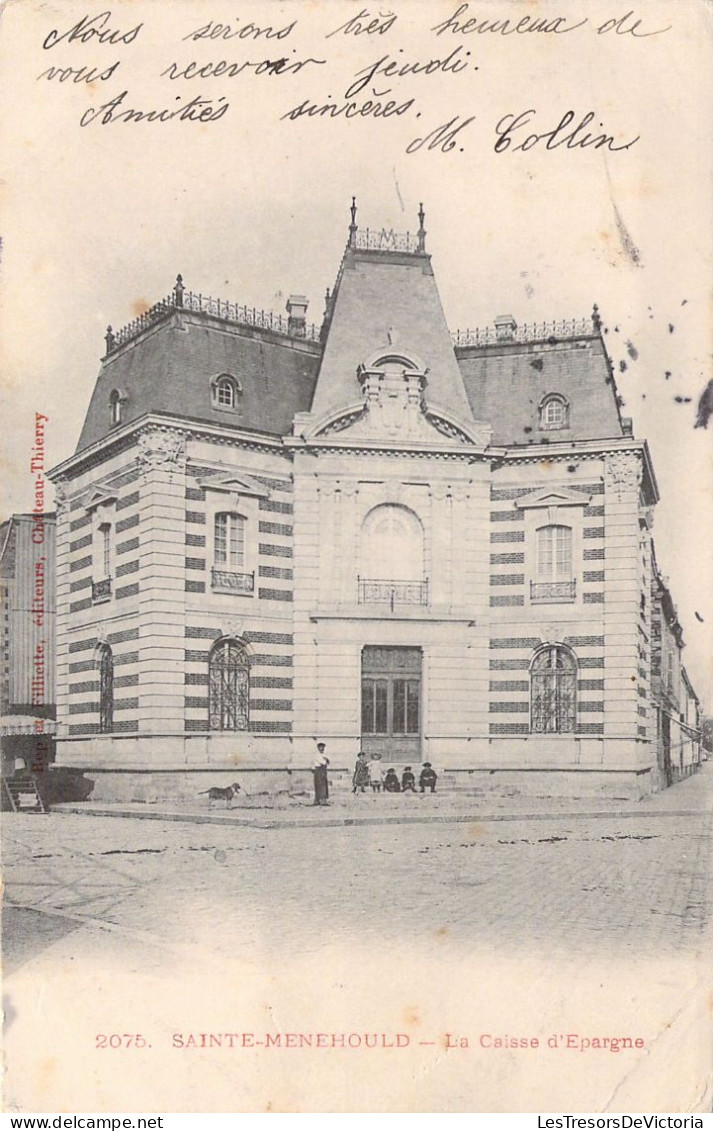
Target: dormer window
pixel 554 412
pixel 226 391
pixel 117 400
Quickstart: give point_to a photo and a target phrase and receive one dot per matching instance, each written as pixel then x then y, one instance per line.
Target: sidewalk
pixel 691 797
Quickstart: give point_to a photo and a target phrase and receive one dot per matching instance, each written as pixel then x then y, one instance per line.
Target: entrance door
pixel 391 703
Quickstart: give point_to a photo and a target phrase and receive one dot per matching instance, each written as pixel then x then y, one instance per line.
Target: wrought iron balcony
pixel 383 592
pixel 101 590
pixel 227 581
pixel 551 592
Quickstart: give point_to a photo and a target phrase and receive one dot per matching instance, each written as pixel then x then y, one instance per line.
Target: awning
pixel 25 724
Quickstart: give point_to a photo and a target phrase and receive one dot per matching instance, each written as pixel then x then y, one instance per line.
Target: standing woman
pixel 319 773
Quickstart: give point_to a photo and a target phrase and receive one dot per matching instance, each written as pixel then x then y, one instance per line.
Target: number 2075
pixel 120 1041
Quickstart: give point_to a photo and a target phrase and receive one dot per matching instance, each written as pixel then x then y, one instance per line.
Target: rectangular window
pixel 105 548
pixel 554 553
pixel 230 541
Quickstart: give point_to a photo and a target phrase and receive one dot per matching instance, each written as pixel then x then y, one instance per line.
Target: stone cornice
pixel 463 452
pixel 383 614
pixel 123 439
pixel 126 437
pixel 588 449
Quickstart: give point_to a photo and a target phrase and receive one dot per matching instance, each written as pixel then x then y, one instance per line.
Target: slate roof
pixel 379 292
pixel 168 368
pixel 506 382
pixel 167 364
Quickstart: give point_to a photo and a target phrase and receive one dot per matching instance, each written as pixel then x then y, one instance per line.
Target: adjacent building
pixel 675 705
pixel 372 532
pixel 27 659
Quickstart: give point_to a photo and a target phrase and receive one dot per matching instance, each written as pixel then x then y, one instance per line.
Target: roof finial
pixel 421 245
pixel 353 225
pixel 110 339
pixel 178 290
pixel 596 318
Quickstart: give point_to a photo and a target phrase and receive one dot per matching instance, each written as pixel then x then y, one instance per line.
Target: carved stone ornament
pixel 328 487
pixel 162 450
pixel 232 628
pixel 549 634
pixel 61 501
pixel 622 472
pixel 440 490
pixel 343 422
pixel 646 518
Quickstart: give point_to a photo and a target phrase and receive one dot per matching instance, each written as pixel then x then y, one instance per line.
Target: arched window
pixel 553 691
pixel 392 544
pixel 226 393
pixel 115 405
pixel 226 390
pixel 392 557
pixel 554 411
pixel 106 689
pixel 228 686
pixel 229 546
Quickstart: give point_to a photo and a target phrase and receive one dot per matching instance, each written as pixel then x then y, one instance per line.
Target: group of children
pixel 371 773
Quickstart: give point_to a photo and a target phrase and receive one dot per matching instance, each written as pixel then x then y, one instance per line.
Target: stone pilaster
pixel 622 478
pixel 162 577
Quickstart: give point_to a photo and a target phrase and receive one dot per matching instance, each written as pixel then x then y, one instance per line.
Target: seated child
pixel 391 782
pixel 428 777
pixel 408 780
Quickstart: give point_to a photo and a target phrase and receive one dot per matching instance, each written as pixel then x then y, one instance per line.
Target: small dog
pixel 217 793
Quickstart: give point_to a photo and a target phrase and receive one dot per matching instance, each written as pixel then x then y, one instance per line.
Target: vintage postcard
pixel 355 556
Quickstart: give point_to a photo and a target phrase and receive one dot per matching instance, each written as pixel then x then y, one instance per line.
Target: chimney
pixel 297 315
pixel 505 327
pixel 627 426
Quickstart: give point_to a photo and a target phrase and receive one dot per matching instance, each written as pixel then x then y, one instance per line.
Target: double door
pixel 391 703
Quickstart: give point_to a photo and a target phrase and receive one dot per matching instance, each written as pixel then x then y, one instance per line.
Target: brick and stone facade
pixel 373 533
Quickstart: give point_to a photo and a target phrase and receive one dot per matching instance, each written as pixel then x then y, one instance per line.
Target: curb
pixel 347 822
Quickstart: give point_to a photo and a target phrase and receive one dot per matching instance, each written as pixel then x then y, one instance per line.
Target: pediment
pixel 553 497
pixel 233 484
pixel 100 498
pixel 398 420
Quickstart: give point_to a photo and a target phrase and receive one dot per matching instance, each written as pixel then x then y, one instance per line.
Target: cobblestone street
pixel 642 885
pixel 544 905
pixel 572 884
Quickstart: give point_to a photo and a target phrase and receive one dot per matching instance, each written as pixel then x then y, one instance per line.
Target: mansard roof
pixel 167 362
pixel 387 298
pixel 507 381
pixel 170 360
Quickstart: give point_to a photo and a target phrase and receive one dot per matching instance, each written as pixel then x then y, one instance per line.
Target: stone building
pixel 675 706
pixel 27 654
pixel 373 532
